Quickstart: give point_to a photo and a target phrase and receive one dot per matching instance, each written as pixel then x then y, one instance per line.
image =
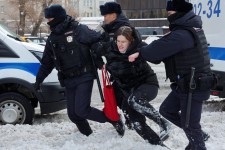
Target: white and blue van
pixel 212 13
pixel 19 64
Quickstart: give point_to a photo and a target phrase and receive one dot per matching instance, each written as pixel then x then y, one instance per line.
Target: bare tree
pixel 22 15
pixel 40 18
pixel 31 13
pixel 44 4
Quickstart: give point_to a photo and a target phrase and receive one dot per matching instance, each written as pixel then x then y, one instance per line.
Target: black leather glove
pixel 61 79
pixel 98 61
pixel 37 86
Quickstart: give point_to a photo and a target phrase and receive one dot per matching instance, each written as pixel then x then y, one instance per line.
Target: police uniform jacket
pixel 83 36
pixel 180 45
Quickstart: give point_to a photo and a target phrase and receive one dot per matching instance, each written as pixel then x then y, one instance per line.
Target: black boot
pixel 165 128
pixel 188 147
pixel 119 126
pixel 142 106
pixel 205 136
pixel 84 127
pixel 128 122
pixel 147 133
pixel 195 137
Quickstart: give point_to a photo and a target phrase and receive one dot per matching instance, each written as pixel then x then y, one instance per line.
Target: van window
pixel 9 33
pixel 6 52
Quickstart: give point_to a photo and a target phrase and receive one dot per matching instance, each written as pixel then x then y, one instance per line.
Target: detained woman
pixel 136 81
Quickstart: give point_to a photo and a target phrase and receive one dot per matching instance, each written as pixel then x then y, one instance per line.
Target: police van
pixel 19 64
pixel 212 13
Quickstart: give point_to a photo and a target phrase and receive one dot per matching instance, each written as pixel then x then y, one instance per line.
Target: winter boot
pixel 142 106
pixel 119 126
pixel 188 147
pixel 205 136
pixel 128 122
pixel 147 133
pixel 195 137
pixel 165 128
pixel 163 145
pixel 84 127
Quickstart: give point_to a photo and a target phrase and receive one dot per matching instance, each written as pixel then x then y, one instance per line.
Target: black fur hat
pixel 169 6
pixel 179 5
pixel 55 11
pixel 110 7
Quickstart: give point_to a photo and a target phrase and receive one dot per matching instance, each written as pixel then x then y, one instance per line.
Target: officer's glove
pixel 37 86
pixel 98 61
pixel 61 79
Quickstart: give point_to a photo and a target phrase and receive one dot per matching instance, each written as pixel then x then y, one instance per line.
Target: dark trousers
pixel 78 102
pixel 135 105
pixel 174 109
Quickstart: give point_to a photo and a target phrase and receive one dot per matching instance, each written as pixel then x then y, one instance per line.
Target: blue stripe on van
pixel 29 67
pixel 217 53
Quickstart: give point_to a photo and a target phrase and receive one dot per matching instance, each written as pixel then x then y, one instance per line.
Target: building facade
pixel 9 14
pixel 88 8
pixel 145 13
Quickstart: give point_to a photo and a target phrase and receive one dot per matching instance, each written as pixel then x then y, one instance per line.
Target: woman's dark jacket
pixel 128 74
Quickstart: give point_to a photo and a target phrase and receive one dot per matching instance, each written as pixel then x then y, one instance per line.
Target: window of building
pixel 90 2
pixel 146 14
pixel 146 8
pixel 2 9
pixel 101 2
pixel 132 14
pixel 164 13
pixel 154 13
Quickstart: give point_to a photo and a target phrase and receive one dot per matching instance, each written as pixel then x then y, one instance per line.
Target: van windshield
pixel 9 32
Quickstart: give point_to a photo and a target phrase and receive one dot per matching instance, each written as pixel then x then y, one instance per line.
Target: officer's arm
pixel 88 36
pixel 47 64
pixel 167 46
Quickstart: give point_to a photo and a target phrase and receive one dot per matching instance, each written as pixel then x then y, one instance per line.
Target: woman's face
pixel 122 43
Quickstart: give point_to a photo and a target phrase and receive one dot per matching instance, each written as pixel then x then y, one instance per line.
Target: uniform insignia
pixel 69 32
pixel 69 39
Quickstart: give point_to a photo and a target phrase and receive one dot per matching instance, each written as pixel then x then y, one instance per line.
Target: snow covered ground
pixel 56 132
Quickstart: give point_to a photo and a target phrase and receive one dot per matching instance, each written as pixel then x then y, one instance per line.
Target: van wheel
pixel 15 109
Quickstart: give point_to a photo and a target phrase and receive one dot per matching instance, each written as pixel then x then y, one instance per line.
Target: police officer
pixel 185 47
pixel 113 20
pixel 67 49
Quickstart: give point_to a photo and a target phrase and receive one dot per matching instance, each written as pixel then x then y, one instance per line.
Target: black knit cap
pixel 110 7
pixel 179 5
pixel 55 11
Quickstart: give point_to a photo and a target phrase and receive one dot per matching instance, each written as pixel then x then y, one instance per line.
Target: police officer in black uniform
pixel 185 53
pixel 113 19
pixel 68 50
